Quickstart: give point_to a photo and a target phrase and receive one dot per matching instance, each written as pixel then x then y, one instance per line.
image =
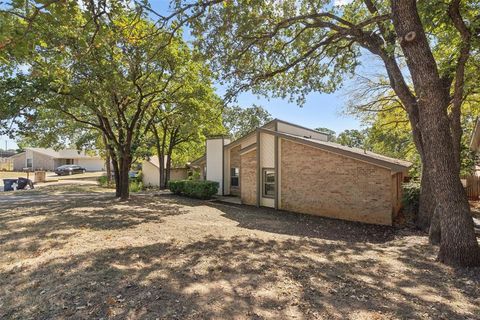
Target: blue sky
pixel 320 110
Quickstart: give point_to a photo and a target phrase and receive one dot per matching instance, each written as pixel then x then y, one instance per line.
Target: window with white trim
pixel 234 175
pixel 268 181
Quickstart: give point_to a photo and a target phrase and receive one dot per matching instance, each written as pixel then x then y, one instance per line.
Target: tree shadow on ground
pixel 294 266
pixel 242 278
pixel 45 221
pixel 302 225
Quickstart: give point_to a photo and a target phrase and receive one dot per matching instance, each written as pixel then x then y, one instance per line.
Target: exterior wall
pixel 178 173
pixel 41 161
pixel 248 177
pixel 91 164
pixel 19 161
pixel 288 128
pixel 234 163
pixel 249 141
pixel 151 176
pixel 326 184
pixel 215 160
pixel 397 180
pixel 267 161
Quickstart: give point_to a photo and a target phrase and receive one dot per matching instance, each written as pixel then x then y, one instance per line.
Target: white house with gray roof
pixel 49 159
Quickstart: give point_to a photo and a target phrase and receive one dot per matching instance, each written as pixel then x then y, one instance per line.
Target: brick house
pixel 49 159
pixel 289 167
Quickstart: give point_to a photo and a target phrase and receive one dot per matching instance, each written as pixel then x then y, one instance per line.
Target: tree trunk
pixel 435 233
pixel 125 162
pixel 458 244
pixel 107 160
pixel 116 174
pixel 109 169
pixel 168 167
pixel 427 202
pixel 160 146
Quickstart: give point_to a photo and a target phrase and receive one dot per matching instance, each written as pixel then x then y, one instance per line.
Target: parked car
pixel 133 174
pixel 69 169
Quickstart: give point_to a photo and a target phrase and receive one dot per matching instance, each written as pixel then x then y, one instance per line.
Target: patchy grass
pixel 76 252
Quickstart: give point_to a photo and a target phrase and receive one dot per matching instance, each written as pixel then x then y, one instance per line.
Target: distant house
pixel 151 174
pixel 475 145
pixel 290 167
pixel 49 159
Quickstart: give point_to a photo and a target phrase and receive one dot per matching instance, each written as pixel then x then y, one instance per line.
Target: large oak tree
pixel 292 48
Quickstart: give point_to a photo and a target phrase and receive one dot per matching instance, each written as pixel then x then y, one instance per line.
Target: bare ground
pixel 76 253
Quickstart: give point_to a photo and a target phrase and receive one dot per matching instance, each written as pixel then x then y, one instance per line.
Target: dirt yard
pixel 77 253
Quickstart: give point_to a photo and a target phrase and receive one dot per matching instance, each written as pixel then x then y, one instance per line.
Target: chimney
pixel 215 160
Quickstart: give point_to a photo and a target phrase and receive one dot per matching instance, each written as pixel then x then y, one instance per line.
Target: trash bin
pixel 24 183
pixel 8 184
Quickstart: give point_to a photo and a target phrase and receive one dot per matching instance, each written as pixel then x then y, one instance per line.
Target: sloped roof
pixel 269 124
pixel 155 161
pixel 367 156
pixel 63 154
pixel 198 161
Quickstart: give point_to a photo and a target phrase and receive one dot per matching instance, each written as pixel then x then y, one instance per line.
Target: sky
pixel 320 110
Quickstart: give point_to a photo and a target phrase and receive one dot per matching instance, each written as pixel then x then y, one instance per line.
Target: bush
pixel 102 181
pixel 135 186
pixel 411 195
pixel 200 189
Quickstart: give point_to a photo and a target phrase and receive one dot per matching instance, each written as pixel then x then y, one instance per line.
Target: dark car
pixel 69 169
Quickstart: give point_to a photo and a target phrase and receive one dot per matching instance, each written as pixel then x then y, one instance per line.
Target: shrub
pixel 200 189
pixel 135 186
pixel 411 195
pixel 102 181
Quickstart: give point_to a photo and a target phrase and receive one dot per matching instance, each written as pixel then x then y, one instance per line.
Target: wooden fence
pixel 472 186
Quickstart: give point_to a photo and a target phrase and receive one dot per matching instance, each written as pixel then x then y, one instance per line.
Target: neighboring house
pixel 49 159
pixel 200 165
pixel 151 175
pixel 475 145
pixel 290 167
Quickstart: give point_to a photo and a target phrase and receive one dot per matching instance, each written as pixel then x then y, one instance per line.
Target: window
pixel 29 162
pixel 234 173
pixel 268 183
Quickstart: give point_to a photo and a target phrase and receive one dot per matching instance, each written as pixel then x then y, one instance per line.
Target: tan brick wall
pixel 42 162
pixel 248 177
pixel 321 183
pixel 19 162
pixel 178 174
pixel 235 162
